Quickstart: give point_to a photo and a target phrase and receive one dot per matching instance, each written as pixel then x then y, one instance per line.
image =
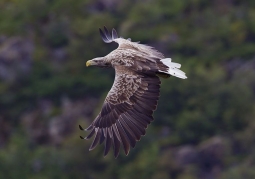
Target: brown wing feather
pixel 126 112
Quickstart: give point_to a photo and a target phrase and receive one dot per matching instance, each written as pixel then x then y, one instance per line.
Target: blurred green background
pixel 204 126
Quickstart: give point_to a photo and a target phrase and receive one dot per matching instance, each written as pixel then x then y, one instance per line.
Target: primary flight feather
pixel 129 105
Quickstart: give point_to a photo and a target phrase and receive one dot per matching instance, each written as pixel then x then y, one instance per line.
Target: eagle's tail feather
pixel 173 68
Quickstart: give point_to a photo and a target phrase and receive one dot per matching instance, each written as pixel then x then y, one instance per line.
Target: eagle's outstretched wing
pixel 126 112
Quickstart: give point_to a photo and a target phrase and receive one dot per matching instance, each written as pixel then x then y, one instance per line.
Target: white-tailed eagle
pixel 129 105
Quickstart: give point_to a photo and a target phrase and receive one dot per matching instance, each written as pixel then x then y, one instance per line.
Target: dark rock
pixel 186 155
pixel 36 127
pixel 15 58
pixel 64 124
pixel 5 131
pixel 42 128
pixel 211 156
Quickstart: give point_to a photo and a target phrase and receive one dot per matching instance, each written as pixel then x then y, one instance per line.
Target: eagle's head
pixel 99 61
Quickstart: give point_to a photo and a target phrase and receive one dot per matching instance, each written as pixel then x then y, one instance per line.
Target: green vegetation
pixel 210 116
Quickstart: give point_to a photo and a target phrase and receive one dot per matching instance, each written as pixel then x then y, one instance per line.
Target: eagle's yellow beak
pixel 88 63
pixel 93 62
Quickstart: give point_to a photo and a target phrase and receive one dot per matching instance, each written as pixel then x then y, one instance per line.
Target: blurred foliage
pixel 204 36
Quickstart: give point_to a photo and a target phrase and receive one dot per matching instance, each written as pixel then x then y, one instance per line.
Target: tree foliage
pixel 214 42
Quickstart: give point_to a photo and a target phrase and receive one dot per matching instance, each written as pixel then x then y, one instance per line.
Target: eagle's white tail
pixel 173 68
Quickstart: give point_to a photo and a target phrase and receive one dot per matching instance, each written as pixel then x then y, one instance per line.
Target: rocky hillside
pixel 203 126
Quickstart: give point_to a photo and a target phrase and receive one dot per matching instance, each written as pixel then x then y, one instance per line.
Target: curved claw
pixel 81 128
pixel 82 137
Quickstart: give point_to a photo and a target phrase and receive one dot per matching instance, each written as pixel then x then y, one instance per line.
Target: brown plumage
pixel 129 105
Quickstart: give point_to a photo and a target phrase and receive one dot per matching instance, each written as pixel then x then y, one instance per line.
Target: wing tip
pixel 126 152
pixel 116 155
pixel 106 36
pixel 114 34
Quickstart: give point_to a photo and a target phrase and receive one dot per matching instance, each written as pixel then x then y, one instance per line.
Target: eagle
pixel 129 105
